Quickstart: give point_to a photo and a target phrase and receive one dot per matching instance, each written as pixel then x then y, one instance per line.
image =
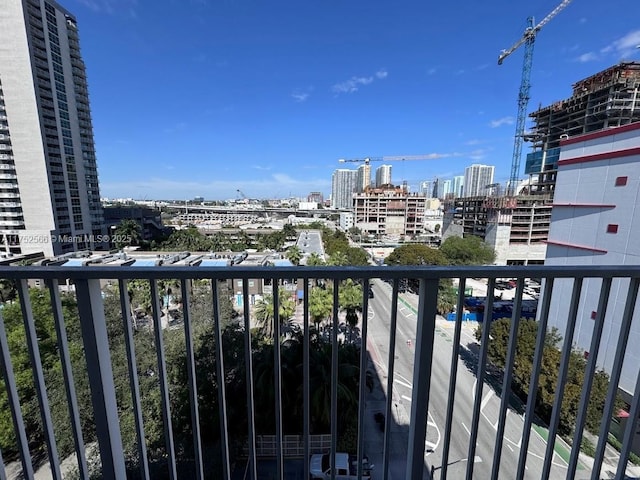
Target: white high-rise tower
pixel 49 196
pixel 476 179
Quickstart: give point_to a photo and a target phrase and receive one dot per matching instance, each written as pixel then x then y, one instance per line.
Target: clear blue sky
pixel 204 97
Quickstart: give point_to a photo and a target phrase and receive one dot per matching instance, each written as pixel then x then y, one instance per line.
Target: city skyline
pixel 270 100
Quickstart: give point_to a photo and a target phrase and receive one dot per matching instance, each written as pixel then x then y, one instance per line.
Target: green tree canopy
pixel 127 233
pixel 467 251
pixel 320 304
pixel 315 260
pixel 548 378
pixel 265 314
pixel 416 254
pixel 294 255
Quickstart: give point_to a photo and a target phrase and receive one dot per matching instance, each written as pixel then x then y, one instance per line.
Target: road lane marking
pixel 404 397
pixel 404 378
pixel 465 427
pixel 485 400
pixel 395 380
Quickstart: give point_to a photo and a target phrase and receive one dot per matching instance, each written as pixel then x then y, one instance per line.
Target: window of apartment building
pixel 612 228
pixel 621 181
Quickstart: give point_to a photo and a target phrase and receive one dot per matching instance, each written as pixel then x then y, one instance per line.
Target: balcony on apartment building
pixel 411 433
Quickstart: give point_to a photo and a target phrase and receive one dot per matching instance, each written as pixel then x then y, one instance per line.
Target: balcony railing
pixel 427 408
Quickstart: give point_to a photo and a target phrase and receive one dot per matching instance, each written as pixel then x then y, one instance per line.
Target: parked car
pixel 346 467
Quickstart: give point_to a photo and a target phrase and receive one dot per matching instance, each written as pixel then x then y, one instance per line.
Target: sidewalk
pixel 375 402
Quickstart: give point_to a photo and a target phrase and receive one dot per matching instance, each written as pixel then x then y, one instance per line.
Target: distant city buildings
pixel 383 175
pixel 49 195
pixel 425 188
pixel 315 197
pixel 343 186
pixel 447 189
pixel 148 219
pixel 458 185
pixel 363 177
pixel 476 179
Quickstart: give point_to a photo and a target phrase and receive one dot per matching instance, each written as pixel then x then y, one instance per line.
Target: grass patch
pixel 615 443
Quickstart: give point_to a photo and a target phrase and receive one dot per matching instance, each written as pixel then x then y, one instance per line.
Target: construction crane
pixel 528 39
pixel 398 158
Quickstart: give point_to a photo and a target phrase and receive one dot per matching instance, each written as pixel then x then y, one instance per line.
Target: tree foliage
pixel 264 312
pixel 415 254
pixel 470 250
pixel 127 233
pixel 548 376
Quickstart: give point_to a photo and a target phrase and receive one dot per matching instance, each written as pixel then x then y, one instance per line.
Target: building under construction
pixel 389 211
pixel 517 227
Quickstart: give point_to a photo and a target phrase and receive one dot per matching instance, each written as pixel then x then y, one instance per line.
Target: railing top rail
pixel 241 272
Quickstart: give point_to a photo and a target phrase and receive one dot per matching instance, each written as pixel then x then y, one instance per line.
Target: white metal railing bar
pixel 134 384
pixel 14 404
pixel 581 418
pixel 629 432
pixel 100 373
pixel 616 369
pixel 306 388
pixel 220 378
pixel 98 357
pixel 506 382
pixel 38 378
pixel 363 376
pixel 480 374
pixel 562 376
pixel 277 372
pixel 425 333
pixel 341 273
pixel 453 375
pixel 386 450
pixel 248 360
pixel 334 378
pixel 162 379
pixel 67 372
pixel 191 379
pixel 533 382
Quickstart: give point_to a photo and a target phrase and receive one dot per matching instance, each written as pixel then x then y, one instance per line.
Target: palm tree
pixel 127 233
pixel 338 259
pixel 294 255
pixel 320 305
pixel 315 260
pixel 264 313
pixel 350 298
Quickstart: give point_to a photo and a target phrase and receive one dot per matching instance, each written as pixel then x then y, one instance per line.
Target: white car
pixel 346 467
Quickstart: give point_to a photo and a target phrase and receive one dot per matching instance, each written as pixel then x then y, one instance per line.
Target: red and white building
pixel 596 221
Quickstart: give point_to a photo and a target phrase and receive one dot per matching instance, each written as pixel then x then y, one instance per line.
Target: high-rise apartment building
pixel 458 185
pixel 476 179
pixel 49 196
pixel 425 188
pixel 363 178
pixel 446 189
pixel 343 186
pixel 383 175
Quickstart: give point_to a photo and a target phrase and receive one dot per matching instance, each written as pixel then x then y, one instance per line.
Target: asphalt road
pixel 378 345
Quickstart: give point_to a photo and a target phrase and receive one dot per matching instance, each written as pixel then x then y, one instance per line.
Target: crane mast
pixel 528 39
